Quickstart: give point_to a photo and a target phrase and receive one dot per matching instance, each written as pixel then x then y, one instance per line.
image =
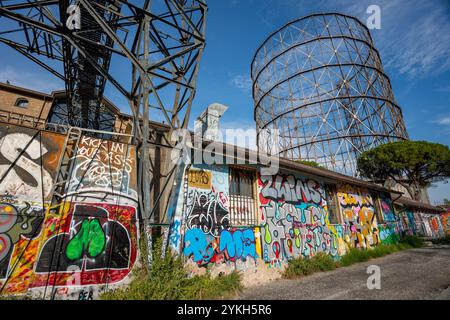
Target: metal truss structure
pixel 148 50
pixel 321 93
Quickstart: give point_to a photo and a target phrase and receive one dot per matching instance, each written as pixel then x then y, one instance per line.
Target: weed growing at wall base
pixel 305 266
pixel 440 241
pixel 168 280
pixel 324 262
pixel 412 241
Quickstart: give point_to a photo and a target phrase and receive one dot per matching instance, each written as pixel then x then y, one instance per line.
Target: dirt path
pixel 412 274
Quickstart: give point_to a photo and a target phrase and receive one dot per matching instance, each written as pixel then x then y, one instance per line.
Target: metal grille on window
pixel 242 198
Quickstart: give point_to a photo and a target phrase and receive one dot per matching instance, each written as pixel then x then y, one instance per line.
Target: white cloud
pixel 241 82
pixel 29 80
pixel 414 38
pixel 443 121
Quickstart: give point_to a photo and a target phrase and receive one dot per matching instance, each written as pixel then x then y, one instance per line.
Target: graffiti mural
pixel 208 236
pixel 102 165
pixel 387 208
pixel 88 241
pixel 18 224
pixel 390 233
pixel 98 241
pixel 431 225
pixel 207 211
pixel 207 204
pixel 359 217
pixel 294 216
pixel 28 161
pixel 445 219
pixel 230 245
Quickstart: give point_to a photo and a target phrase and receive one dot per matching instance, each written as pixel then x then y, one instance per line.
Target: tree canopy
pixel 309 163
pixel 412 164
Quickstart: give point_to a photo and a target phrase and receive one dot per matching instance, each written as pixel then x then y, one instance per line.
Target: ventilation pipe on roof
pixel 207 124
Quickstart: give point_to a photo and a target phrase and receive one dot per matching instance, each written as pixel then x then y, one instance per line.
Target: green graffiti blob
pixel 297 237
pixel 267 236
pixel 90 237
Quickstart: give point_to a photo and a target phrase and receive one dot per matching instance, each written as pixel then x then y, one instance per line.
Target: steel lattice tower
pixel 321 94
pixel 147 50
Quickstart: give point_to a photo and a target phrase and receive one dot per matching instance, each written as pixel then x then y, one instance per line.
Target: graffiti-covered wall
pixel 28 164
pixel 208 236
pixel 89 241
pixel 82 244
pixel 294 218
pixel 418 223
pixel 360 219
pixel 445 219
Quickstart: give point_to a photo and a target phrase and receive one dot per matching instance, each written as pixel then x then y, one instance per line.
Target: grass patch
pixel 445 240
pixel 412 241
pixel 168 280
pixel 305 266
pixel 324 262
pixel 358 255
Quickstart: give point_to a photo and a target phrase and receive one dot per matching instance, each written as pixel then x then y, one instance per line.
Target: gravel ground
pixel 412 274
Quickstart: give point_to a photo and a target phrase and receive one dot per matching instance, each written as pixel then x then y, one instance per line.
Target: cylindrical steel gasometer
pixel 321 93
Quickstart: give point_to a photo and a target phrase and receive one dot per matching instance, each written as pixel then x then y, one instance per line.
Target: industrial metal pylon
pixel 60 183
pixel 160 42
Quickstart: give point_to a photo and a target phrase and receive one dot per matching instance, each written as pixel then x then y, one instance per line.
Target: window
pixel 333 209
pixel 22 103
pixel 242 197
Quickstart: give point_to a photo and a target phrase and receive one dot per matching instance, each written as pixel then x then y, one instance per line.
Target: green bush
pixel 324 262
pixel 412 241
pixel 169 280
pixel 445 240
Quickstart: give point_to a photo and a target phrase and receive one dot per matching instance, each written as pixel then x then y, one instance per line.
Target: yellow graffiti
pixel 199 179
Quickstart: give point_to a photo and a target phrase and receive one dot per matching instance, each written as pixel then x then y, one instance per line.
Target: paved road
pixel 413 274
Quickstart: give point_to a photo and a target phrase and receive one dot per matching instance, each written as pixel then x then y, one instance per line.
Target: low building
pixel 228 215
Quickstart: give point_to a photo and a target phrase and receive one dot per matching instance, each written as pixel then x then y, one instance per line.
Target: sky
pixel 414 43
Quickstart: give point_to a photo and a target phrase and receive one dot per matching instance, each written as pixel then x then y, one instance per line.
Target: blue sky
pixel 414 43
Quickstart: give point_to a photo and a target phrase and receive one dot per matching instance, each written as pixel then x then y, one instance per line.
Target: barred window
pixel 22 103
pixel 333 209
pixel 242 197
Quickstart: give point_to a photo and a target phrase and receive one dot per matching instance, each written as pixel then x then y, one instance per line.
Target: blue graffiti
pixel 175 233
pixel 230 245
pixel 199 245
pixel 239 244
